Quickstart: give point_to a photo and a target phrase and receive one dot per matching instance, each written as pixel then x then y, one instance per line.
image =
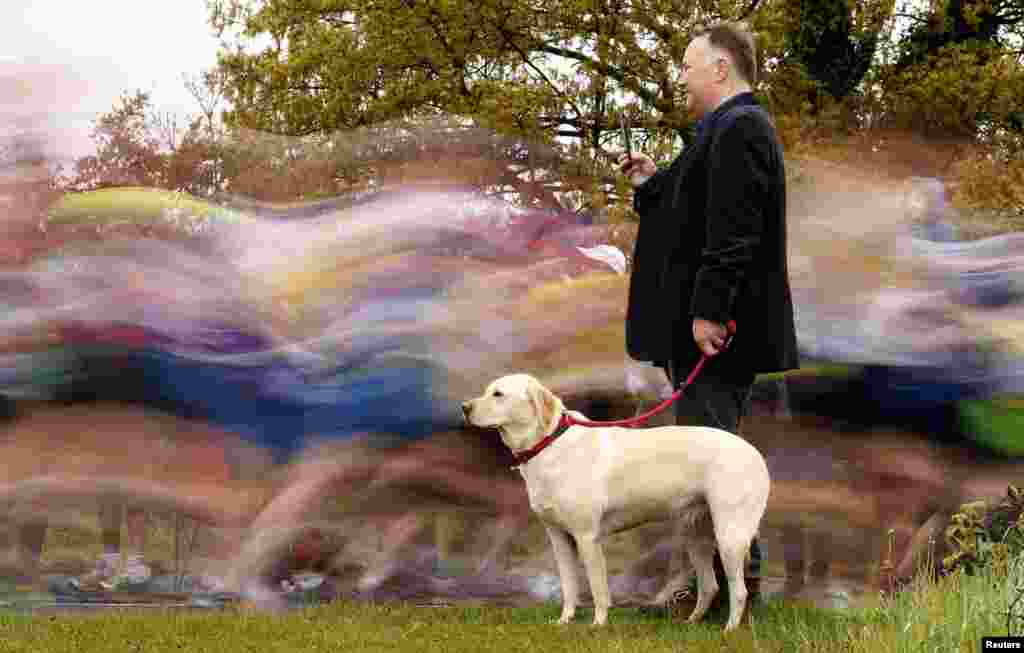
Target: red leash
pixel 522 457
pixel 568 420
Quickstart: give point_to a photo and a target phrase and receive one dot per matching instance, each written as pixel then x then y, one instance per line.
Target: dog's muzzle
pixel 467 408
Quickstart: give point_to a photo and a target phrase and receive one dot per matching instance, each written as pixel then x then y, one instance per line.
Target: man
pixel 712 244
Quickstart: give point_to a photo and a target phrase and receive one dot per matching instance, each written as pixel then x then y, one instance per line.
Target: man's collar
pixel 741 98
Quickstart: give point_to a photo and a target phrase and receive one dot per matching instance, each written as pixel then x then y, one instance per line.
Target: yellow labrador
pixel 587 483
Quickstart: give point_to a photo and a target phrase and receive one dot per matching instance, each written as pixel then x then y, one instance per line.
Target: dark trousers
pixel 717 398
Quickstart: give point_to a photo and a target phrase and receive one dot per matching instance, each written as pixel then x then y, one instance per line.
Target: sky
pixel 62 62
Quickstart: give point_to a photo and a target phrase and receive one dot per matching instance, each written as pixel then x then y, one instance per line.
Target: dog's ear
pixel 545 404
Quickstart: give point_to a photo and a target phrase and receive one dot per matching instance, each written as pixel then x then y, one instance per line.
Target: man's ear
pixel 545 404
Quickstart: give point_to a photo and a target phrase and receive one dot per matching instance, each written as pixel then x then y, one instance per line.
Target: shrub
pixel 982 534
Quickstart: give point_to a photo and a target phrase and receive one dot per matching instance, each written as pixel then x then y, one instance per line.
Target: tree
pixel 196 163
pixel 544 69
pixel 556 76
pixel 982 23
pixel 128 148
pixel 957 71
pixel 137 145
pixel 198 166
pixel 208 89
pixel 835 40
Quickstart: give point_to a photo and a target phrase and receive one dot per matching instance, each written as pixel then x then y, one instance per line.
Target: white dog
pixel 587 483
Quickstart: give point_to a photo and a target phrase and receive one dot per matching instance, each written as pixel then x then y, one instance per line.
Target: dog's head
pixel 518 405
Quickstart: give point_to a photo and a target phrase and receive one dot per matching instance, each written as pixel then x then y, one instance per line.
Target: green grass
pixel 400 627
pixel 131 204
pixel 952 614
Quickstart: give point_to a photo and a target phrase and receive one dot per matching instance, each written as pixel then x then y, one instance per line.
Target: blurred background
pixel 233 342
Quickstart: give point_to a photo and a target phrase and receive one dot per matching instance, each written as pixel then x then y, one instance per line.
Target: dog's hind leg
pixel 736 520
pixel 701 547
pixel 565 558
pixel 733 543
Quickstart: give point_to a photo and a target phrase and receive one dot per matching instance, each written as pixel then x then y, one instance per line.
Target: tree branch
pixel 543 76
pixel 745 14
pixel 604 69
pixel 919 19
pixel 457 60
pixel 561 120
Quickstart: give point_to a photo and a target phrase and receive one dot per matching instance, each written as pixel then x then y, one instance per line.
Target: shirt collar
pixel 744 98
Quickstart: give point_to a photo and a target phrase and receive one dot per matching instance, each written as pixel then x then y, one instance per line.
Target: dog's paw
pixel 731 625
pixel 696 616
pixel 563 620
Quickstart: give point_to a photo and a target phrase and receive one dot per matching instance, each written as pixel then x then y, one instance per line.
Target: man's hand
pixel 709 336
pixel 638 167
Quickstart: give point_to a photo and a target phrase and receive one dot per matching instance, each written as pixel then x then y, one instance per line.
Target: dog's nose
pixel 467 408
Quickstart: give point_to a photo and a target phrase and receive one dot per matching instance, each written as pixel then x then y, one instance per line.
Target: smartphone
pixel 626 140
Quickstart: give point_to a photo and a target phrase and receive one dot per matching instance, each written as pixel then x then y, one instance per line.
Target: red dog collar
pixel 523 457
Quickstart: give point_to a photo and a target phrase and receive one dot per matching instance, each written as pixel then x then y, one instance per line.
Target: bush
pixel 991 186
pixel 982 535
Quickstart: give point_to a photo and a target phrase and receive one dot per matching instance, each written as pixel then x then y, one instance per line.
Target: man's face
pixel 700 74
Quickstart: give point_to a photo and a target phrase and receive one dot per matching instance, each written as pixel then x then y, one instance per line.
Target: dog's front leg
pixel 565 558
pixel 597 574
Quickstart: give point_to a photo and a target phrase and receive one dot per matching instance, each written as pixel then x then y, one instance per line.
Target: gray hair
pixel 735 41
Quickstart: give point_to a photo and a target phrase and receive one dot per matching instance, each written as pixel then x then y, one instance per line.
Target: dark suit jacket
pixel 712 244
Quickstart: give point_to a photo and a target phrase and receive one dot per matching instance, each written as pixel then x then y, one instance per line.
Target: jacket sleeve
pixel 645 197
pixel 739 178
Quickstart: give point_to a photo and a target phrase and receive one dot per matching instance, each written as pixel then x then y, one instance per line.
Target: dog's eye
pixel 498 393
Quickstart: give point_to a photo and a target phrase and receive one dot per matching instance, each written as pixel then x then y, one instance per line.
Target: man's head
pixel 720 62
